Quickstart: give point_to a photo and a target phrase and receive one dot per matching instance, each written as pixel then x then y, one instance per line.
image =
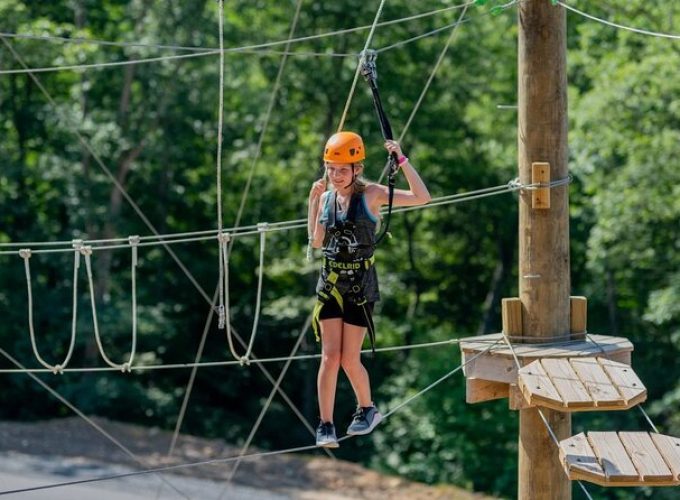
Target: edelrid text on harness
pixel 342 264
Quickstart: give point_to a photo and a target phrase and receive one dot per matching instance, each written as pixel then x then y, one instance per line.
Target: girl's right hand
pixel 318 188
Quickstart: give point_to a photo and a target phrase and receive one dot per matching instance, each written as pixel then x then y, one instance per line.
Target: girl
pixel 343 222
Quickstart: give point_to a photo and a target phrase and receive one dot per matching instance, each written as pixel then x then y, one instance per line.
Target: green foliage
pixel 154 126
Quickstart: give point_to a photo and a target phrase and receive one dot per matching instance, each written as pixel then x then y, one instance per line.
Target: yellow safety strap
pixel 316 325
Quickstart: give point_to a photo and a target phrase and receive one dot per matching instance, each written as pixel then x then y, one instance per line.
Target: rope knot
pixel 58 370
pixel 224 237
pixel 125 367
pixel 85 250
pixel 25 253
pixel 262 226
pixel 244 360
pixel 133 240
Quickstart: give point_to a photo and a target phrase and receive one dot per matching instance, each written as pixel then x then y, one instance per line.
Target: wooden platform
pixel 498 364
pixel 581 384
pixel 622 458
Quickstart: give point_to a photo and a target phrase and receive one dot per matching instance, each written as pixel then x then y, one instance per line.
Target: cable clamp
pixel 134 242
pixel 263 226
pixel 221 317
pixel 25 253
pixel 368 68
pixel 515 183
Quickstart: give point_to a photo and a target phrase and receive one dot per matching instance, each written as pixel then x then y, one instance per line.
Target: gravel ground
pixel 69 449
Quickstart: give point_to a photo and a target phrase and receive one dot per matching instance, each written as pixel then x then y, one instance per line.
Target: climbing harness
pixel 341 262
pixel 369 71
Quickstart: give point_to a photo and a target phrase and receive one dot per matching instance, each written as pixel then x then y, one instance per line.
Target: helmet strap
pixel 354 177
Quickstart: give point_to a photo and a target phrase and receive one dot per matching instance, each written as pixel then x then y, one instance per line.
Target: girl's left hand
pixel 393 147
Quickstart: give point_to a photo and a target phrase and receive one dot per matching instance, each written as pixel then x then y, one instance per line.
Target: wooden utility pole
pixel 544 282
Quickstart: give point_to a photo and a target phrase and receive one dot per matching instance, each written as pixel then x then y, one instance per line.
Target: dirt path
pixel 286 476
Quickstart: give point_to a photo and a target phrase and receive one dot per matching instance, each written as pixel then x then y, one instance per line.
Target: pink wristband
pixel 402 159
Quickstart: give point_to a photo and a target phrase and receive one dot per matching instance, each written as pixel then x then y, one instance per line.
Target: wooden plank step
pixel 669 447
pixel 580 384
pixel 645 456
pixel 533 380
pixel 580 460
pixel 612 456
pixel 622 458
pixel 626 380
pixel 597 382
pixel 567 382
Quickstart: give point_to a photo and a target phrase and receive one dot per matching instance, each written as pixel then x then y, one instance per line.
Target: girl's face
pixel 340 174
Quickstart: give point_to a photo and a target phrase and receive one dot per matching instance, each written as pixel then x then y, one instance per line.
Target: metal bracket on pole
pixel 540 174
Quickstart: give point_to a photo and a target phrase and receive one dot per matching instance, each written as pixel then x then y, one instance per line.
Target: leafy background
pixel 154 126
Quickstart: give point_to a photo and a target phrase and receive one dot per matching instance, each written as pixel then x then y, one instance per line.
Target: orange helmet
pixel 344 147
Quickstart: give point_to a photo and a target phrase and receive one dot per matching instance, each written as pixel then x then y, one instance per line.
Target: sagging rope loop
pixel 86 251
pixel 262 228
pixel 57 369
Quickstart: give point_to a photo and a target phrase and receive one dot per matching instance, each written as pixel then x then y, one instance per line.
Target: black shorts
pixel 352 314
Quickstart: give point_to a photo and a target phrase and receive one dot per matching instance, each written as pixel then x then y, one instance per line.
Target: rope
pixel 86 252
pixel 440 380
pixel 192 377
pixel 253 49
pixel 58 368
pixel 619 26
pixel 220 124
pixel 265 407
pixel 254 361
pixel 87 419
pixel 416 108
pixel 244 457
pixel 607 356
pixel 258 152
pixel 361 62
pixel 112 64
pixel 270 107
pixel 139 212
pixel 107 171
pixel 549 428
pixel 190 384
pixel 438 63
pixel 245 359
pixel 92 41
pixel 234 232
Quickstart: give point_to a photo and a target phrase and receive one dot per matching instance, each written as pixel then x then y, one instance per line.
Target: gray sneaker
pixel 325 435
pixel 364 420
